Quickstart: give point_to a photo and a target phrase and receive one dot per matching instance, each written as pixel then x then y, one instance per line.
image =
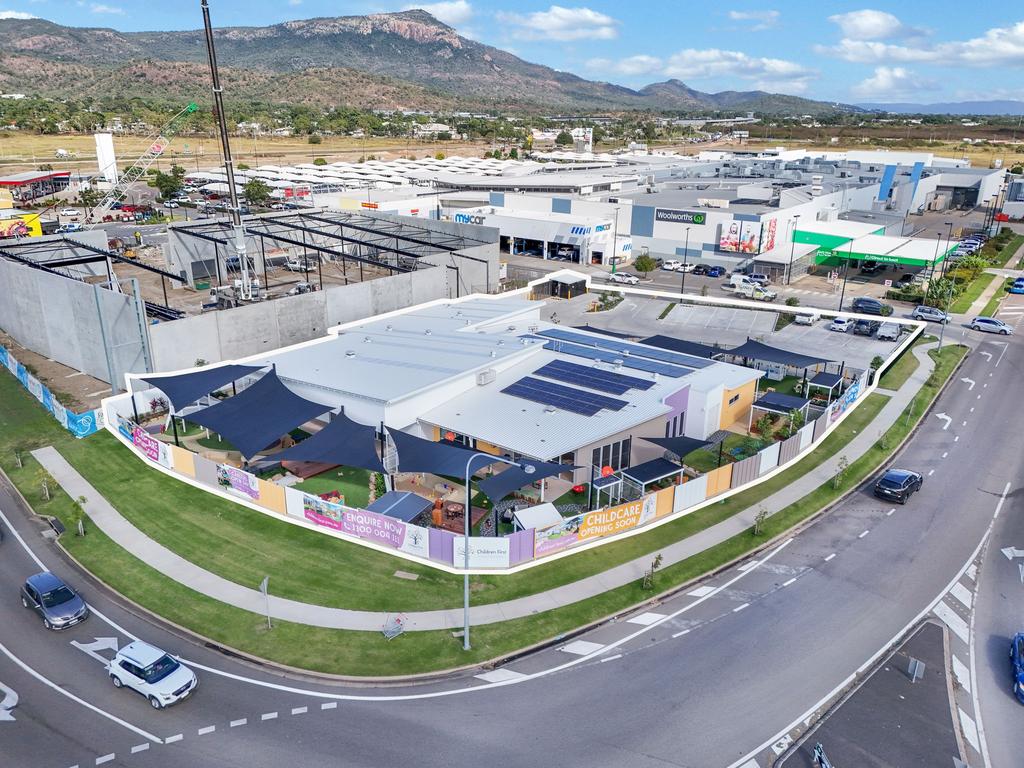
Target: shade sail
pixel 342 441
pixel 682 345
pixel 418 455
pixel 755 350
pixel 502 484
pixel 258 415
pixel 827 380
pixel 680 446
pixel 185 388
pixel 652 471
pixel 776 402
pixel 402 505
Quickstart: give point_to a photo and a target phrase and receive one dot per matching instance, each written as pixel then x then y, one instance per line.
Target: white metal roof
pixel 839 228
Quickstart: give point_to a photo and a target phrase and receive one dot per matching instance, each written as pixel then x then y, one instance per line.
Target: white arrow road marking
pixel 988 355
pixel 969 382
pixel 49 683
pixel 10 702
pixel 99 644
pixel 945 418
pixel 1012 552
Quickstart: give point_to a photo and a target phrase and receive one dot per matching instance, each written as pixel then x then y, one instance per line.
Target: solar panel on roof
pixel 593 378
pixel 566 398
pixel 610 356
pixel 638 350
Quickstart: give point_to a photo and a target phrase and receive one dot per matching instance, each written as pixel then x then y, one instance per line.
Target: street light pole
pixel 468 515
pixel 686 252
pixel 792 248
pixel 846 269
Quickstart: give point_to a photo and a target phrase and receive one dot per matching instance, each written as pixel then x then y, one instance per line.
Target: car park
pixel 152 673
pixel 889 332
pixel 866 327
pixel 990 325
pixel 686 266
pixel 671 265
pixel 898 485
pixel 1017 665
pixel 57 604
pixel 715 271
pixel 69 212
pixel 807 318
pixel 869 306
pixel 623 277
pixel 841 324
pixel 931 314
pixel 701 270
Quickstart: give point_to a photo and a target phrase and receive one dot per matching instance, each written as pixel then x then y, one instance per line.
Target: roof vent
pixel 618 363
pixel 367 339
pixel 550 409
pixel 511 329
pixel 389 328
pixel 426 332
pixel 493 353
pixel 501 342
pixel 350 353
pixel 533 328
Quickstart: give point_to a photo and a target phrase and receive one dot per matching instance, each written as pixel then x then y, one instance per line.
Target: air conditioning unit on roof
pixel 486 377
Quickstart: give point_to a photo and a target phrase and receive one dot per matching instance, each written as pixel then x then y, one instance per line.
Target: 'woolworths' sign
pixel 680 217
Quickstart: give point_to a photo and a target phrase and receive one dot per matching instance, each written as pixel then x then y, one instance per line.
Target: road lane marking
pixel 956 439
pixel 830 557
pixel 241 721
pixel 748 565
pixel 961 593
pixel 787 583
pixel 300 710
pixel 953 620
pixel 21 541
pixel 611 658
pixel 701 591
pixel 205 730
pixel 497 676
pixel 268 716
pixel 961 674
pixel 174 738
pixel 945 454
pixel 329 705
pixel 680 634
pixel 964 424
pixel 739 608
pixel 105 758
pixel 889 513
pixel 140 748
pixel 931 472
pixel 972 411
pixel 76 699
pixel 862 534
pixel 646 619
pixel 1005 347
pixel 581 648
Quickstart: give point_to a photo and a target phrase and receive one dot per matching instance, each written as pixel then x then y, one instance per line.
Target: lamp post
pixel 686 252
pixel 846 269
pixel 792 248
pixel 945 320
pixel 468 515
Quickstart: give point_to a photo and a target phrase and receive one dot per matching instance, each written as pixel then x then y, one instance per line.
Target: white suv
pixel 153 673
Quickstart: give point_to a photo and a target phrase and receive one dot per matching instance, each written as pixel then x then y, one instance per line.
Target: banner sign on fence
pixel 484 552
pixel 78 424
pixel 594 525
pixel 238 481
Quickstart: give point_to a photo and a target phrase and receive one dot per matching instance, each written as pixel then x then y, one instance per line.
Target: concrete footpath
pixel 130 538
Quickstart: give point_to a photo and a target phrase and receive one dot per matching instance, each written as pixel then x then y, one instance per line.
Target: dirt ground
pixel 74 390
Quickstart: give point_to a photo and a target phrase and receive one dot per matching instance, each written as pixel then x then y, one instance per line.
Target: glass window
pixel 615 456
pixel 627 445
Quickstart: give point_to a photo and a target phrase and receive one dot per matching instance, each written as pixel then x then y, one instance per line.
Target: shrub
pixel 315 138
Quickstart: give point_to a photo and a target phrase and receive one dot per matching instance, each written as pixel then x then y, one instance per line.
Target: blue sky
pixel 915 50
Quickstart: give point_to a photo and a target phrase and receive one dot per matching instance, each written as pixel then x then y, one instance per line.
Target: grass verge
pixel 898 373
pixel 977 287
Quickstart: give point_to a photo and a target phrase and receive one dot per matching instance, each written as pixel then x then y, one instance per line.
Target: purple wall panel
pixel 442 546
pixel 677 401
pixel 520 546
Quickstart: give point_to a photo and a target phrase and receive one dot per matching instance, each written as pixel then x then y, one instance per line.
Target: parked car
pixel 715 271
pixel 171 204
pixel 65 228
pixel 869 306
pixel 151 673
pixel 70 212
pixel 58 604
pixel 671 265
pixel 866 327
pixel 841 324
pixel 759 278
pixel 990 325
pixel 277 206
pixel 898 485
pixel 1017 664
pixel 906 281
pixel 1016 288
pixel 300 265
pixel 686 266
pixel 623 277
pixel 870 267
pixel 889 332
pixel 807 318
pixel 700 269
pixel 931 314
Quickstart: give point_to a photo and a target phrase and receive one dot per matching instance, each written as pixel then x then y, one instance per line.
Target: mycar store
pixel 547 235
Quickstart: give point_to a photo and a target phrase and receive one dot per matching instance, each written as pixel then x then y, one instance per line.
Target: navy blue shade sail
pixel 755 350
pixel 652 471
pixel 342 441
pixel 185 388
pixel 415 454
pixel 682 345
pixel 258 415
pixel 511 479
pixel 777 402
pixel 680 446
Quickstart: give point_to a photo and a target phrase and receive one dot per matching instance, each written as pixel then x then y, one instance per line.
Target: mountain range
pixel 403 60
pixel 994 107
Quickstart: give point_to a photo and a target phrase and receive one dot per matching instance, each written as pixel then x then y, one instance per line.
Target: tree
pixel 315 138
pixel 439 156
pixel 759 518
pixel 319 161
pixel 513 154
pixel 764 426
pixel 877 362
pixel 645 263
pixel 841 467
pixel 171 183
pixel 46 482
pixel 89 197
pixel 243 166
pixel 256 191
pixel 444 136
pixel 563 139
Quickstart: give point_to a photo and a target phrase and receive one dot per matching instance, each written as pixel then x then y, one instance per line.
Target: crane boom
pixel 138 169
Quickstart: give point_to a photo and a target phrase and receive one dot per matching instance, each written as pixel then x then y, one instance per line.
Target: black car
pixel 866 327
pixel 898 485
pixel 870 267
pixel 58 604
pixel 868 306
pixel 700 269
pixel 905 281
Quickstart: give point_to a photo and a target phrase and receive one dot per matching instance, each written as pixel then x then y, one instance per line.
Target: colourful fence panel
pixel 789 449
pixel 719 480
pixel 690 493
pixel 769 459
pixel 745 471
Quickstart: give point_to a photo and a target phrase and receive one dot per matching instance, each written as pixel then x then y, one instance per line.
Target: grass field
pixel 897 374
pixel 353 484
pixel 963 302
pixel 22 422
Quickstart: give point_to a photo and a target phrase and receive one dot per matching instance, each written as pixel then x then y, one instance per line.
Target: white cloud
pixel 868 24
pixel 893 83
pixel 762 19
pixel 450 12
pixel 294 2
pixel 558 23
pixel 693 64
pixel 1000 46
pixel 16 15
pixel 101 8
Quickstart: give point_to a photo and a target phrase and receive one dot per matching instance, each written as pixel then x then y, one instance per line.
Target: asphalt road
pixel 708 678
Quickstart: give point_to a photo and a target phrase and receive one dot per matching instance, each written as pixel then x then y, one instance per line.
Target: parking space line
pixel 174 738
pixel 862 534
pixel 268 716
pixel 787 583
pixel 739 608
pixel 240 721
pixel 206 730
pixel 140 748
pixel 329 705
pixel 830 557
